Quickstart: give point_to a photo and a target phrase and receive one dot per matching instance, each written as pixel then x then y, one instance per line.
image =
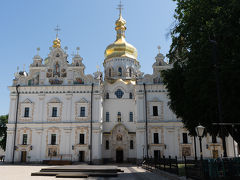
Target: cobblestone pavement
pixel 23 172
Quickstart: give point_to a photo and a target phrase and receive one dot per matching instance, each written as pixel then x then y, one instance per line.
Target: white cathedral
pixel 59 113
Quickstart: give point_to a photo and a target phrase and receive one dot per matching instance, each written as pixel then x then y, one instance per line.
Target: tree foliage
pixel 3 131
pixel 191 82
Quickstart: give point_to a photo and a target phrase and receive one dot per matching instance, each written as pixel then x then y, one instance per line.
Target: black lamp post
pixel 200 130
pixel 143 150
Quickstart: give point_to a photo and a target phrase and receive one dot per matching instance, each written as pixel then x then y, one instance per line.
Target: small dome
pixel 56 43
pixel 121 48
pixel 37 57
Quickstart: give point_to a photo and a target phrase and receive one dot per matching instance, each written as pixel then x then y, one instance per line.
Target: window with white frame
pixel 54 112
pixel 107 117
pixel 131 117
pixel 82 111
pixel 53 139
pixel 155 110
pixel 24 139
pixel 131 144
pixel 155 138
pixel 26 111
pixel 54 109
pixel 107 144
pixel 107 95
pixel 185 138
pixel 81 138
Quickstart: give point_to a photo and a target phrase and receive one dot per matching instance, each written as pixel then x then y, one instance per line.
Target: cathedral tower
pixel 121 57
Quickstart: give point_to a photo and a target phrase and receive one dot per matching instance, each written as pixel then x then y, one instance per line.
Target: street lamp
pixel 200 130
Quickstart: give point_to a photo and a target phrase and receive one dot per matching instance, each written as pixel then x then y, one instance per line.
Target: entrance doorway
pixel 81 156
pixel 157 154
pixel 119 156
pixel 23 156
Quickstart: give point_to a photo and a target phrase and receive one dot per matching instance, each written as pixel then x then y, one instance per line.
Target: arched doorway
pixel 119 155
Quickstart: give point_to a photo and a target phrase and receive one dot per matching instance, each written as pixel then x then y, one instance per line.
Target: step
pixel 72 175
pixel 44 174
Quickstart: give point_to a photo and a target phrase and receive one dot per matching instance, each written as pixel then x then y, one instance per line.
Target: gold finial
pixel 159 48
pixel 120 8
pixel 38 49
pixel 120 24
pixel 78 48
pixel 57 42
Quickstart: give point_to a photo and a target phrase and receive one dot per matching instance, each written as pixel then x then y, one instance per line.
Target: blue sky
pixel 89 24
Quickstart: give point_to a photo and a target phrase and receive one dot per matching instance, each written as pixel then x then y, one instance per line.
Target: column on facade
pixel 68 108
pixel 9 145
pixel 97 112
pixel 12 109
pixel 140 126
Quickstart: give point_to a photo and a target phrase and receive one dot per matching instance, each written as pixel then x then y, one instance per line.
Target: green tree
pixel 3 131
pixel 191 82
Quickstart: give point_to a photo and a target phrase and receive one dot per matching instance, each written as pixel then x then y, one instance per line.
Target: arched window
pixel 120 71
pixel 130 72
pixel 107 96
pixel 130 95
pixel 109 73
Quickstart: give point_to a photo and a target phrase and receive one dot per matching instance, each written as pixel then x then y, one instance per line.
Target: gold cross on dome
pixel 120 7
pixel 57 29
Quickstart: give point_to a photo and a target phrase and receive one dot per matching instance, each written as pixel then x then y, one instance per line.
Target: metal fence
pixel 166 164
pixel 220 168
pixel 206 169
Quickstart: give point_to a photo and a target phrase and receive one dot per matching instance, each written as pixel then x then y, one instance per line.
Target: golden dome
pixel 56 43
pixel 120 48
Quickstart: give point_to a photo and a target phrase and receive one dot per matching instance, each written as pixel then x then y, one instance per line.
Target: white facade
pixel 60 109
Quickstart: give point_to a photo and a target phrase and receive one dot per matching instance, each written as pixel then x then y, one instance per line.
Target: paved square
pixel 23 172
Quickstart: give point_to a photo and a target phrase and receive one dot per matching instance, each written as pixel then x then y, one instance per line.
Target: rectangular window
pixel 54 112
pixel 26 112
pixel 131 116
pixel 214 139
pixel 53 139
pixel 119 117
pixel 24 141
pixel 82 112
pixel 155 111
pixel 81 139
pixel 156 140
pixel 185 138
pixel 107 116
pixel 107 144
pixel 131 144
